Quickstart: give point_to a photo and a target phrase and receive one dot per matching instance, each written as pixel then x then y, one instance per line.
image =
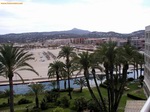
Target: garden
pixel 54 101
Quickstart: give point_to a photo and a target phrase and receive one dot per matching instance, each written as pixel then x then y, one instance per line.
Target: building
pixel 147 61
pixel 138 43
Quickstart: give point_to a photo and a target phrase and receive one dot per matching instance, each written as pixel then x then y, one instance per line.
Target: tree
pixel 53 84
pixel 139 61
pixel 55 68
pixel 85 62
pixel 81 82
pixel 12 60
pixel 67 52
pixel 37 89
pixel 64 77
pixel 113 58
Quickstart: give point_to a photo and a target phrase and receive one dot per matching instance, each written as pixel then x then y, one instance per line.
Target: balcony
pixel 146 107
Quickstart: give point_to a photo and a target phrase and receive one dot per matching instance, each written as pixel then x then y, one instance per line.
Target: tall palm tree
pixel 107 53
pixel 113 58
pixel 12 60
pixel 84 61
pixel 67 52
pixel 56 68
pixel 139 61
pixel 37 89
pixel 126 54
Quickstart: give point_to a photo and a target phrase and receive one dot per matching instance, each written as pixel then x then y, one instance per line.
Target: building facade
pixel 138 43
pixel 147 61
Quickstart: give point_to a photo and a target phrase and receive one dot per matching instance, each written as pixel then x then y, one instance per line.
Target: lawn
pixel 134 89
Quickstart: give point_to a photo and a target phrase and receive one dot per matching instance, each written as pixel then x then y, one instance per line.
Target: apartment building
pixel 138 43
pixel 147 61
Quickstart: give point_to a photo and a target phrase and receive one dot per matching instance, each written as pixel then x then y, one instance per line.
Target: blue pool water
pixel 23 88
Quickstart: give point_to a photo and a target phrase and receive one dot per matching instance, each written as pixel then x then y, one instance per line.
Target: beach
pixel 40 64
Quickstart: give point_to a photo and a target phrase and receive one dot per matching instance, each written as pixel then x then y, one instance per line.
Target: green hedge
pixel 134 97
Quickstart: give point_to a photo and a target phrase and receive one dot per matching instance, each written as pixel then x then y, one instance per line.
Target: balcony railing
pixel 146 107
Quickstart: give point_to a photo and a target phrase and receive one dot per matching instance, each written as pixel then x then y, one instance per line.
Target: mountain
pixel 73 33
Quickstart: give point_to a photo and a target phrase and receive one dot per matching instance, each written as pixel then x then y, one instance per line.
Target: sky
pixel 122 16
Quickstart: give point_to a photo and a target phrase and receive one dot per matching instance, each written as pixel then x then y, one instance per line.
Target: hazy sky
pixel 122 16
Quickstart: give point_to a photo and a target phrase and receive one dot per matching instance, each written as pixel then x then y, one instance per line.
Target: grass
pixel 20 108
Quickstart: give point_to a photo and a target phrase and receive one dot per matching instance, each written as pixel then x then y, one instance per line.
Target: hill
pixel 73 33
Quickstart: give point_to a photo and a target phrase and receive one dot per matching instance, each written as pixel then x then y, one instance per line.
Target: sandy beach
pixel 40 64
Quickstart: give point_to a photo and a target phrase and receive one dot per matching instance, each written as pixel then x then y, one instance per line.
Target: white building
pixel 147 61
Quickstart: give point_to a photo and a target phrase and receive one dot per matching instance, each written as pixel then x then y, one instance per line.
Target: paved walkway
pixel 134 105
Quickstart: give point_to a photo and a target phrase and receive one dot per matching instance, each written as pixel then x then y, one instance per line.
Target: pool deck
pixel 134 105
pixel 27 81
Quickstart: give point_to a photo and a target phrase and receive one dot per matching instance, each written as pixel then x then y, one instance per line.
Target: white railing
pixel 146 107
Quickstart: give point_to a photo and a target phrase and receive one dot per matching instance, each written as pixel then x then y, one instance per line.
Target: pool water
pixel 23 88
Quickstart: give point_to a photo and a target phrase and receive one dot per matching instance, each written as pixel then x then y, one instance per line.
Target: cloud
pixel 99 15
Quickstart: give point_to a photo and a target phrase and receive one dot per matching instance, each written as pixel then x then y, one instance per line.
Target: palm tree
pixel 53 84
pixel 113 58
pixel 85 62
pixel 126 55
pixel 64 77
pixel 141 62
pixel 12 60
pixel 37 89
pixel 55 68
pixel 81 82
pixel 67 52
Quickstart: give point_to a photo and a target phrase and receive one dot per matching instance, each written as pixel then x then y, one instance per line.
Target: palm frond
pixel 19 76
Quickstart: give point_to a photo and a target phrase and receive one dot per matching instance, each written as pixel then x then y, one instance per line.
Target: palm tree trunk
pixel 121 88
pixel 65 84
pixel 58 85
pixel 69 87
pixel 81 89
pixel 68 73
pixel 8 101
pixel 37 101
pixel 112 88
pixel 140 69
pixel 137 71
pixel 99 92
pixel 91 91
pixel 11 94
pixel 108 85
pixel 134 72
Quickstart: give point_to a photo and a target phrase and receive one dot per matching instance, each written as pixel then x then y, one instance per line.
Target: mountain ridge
pixel 73 33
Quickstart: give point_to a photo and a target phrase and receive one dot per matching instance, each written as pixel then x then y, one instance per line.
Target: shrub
pixel 55 90
pixel 52 96
pixel 80 104
pixel 92 106
pixel 63 102
pixel 4 104
pixel 35 110
pixel 135 97
pixel 66 90
pixel 58 109
pixel 24 101
pixel 44 105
